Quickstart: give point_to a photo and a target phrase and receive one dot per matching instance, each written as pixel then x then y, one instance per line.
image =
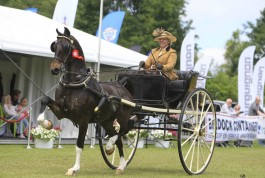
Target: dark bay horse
pixel 79 94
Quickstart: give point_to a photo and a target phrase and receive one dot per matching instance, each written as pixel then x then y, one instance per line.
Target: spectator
pixel 255 109
pixel 237 110
pixel 23 106
pixel 227 107
pixel 15 97
pixel 10 112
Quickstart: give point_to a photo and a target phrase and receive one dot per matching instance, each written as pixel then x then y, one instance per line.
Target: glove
pixel 141 64
pixel 159 66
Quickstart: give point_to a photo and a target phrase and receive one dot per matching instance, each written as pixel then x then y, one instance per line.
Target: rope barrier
pixel 13 121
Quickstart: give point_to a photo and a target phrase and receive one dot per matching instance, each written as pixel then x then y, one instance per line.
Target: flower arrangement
pixel 44 134
pixel 143 133
pixel 160 134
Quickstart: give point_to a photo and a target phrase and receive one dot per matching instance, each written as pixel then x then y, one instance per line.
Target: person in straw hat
pixel 162 58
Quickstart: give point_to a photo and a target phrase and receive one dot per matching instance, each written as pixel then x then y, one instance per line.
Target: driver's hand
pixel 142 64
pixel 159 66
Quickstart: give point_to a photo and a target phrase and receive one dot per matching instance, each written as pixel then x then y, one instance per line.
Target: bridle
pixel 69 48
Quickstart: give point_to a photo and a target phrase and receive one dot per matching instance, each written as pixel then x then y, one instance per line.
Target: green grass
pixel 17 161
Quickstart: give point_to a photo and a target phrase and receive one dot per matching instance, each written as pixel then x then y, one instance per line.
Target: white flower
pixel 41 133
pixel 160 134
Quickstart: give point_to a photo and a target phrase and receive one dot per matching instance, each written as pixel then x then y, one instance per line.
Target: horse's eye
pixel 66 46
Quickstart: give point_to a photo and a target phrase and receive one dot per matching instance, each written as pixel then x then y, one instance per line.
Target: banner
pixel 111 26
pixel 202 66
pixel 258 80
pixel 187 52
pixel 65 11
pixel 236 128
pixel 245 67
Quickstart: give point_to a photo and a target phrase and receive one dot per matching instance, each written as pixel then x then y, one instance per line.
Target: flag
pixel 32 9
pixel 258 80
pixel 187 52
pixel 245 70
pixel 65 11
pixel 202 66
pixel 111 26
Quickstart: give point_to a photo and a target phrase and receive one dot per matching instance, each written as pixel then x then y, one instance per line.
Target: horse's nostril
pixel 55 71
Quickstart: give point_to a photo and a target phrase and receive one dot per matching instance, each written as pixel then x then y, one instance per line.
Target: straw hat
pixel 161 33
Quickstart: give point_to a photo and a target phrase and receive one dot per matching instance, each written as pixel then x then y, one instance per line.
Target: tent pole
pixel 99 37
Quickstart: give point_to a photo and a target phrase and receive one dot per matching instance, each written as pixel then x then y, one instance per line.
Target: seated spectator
pixel 255 109
pixel 15 97
pixel 10 112
pixel 23 106
pixel 237 110
pixel 227 107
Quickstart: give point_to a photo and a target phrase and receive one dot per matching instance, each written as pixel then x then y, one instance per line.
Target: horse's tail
pixel 127 83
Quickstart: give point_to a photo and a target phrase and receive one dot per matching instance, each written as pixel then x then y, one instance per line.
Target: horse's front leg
pixel 79 149
pixel 53 105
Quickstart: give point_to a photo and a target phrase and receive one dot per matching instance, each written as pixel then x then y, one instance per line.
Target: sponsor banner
pixel 245 67
pixel 65 12
pixel 202 66
pixel 111 26
pixel 258 80
pixel 261 129
pixel 236 128
pixel 187 52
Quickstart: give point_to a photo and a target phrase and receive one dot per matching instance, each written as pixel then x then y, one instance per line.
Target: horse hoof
pixel 119 171
pixel 109 152
pixel 70 173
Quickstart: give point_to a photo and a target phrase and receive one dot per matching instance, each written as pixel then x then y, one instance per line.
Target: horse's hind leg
pixel 122 165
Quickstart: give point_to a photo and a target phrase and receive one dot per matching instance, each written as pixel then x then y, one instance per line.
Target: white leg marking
pixel 111 142
pixel 76 167
pixel 122 165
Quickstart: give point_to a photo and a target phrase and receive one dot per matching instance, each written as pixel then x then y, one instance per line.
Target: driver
pixel 163 57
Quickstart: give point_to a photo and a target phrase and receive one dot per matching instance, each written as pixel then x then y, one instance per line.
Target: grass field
pixel 151 162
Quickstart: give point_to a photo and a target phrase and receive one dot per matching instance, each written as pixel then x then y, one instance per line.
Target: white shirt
pixel 228 110
pixel 10 110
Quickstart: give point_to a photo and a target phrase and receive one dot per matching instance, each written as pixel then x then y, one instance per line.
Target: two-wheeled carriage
pixel 180 106
pixel 120 108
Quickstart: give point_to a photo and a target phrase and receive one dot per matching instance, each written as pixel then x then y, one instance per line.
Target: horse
pixel 79 94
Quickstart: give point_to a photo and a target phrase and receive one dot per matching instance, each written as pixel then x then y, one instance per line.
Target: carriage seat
pixel 187 81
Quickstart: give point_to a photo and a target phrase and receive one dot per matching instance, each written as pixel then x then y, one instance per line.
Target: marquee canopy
pixel 26 32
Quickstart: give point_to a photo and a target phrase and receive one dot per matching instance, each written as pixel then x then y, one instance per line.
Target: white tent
pixel 26 32
pixel 27 36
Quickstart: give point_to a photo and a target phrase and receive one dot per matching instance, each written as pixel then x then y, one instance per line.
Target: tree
pixel 234 48
pixel 257 35
pixel 45 7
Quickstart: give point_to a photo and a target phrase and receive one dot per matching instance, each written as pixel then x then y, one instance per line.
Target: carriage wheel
pixel 129 148
pixel 197 131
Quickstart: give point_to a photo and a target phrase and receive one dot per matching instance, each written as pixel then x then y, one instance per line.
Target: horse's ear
pixel 59 33
pixel 67 32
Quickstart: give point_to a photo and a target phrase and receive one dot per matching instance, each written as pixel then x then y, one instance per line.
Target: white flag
pixel 259 80
pixel 65 11
pixel 245 70
pixel 187 52
pixel 202 66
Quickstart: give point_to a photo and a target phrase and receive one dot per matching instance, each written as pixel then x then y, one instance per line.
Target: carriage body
pixel 152 88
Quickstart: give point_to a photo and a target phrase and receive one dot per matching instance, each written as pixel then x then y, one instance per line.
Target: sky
pixel 216 20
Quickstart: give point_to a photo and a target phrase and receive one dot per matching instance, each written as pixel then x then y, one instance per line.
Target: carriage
pixel 120 106
pixel 181 108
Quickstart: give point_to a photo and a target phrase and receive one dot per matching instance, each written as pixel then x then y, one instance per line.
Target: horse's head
pixel 67 50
